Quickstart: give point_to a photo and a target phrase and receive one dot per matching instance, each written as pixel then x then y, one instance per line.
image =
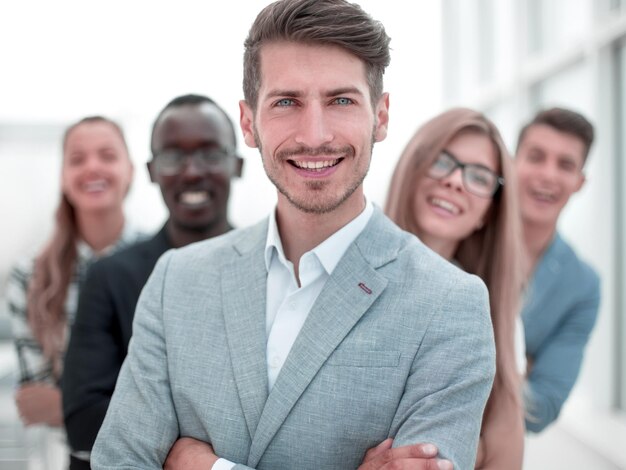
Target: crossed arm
pixel 142 427
pixel 38 398
pixel 190 454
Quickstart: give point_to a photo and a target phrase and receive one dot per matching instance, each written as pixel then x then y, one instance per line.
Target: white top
pixel 288 305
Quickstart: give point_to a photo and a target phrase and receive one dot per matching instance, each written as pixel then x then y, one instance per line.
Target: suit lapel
pixel 244 293
pixel 348 294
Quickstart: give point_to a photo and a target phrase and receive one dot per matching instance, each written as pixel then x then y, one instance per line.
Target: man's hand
pixel 190 454
pixel 414 457
pixel 39 403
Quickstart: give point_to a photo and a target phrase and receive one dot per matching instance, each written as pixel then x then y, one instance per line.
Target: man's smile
pixel 316 166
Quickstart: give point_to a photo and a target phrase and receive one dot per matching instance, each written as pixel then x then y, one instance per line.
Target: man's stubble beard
pixel 313 205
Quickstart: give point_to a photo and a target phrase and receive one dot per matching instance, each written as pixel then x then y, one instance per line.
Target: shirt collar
pixel 273 243
pixel 330 251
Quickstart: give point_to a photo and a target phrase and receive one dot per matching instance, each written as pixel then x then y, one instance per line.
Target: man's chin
pixel 194 225
pixel 541 218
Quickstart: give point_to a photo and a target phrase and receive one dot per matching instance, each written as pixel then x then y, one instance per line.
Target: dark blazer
pixel 100 336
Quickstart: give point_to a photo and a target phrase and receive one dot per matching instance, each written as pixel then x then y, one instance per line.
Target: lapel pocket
pixel 364 359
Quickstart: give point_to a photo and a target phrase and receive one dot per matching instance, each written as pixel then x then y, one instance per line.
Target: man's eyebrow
pixel 344 91
pixel 283 93
pixel 568 157
pixel 333 92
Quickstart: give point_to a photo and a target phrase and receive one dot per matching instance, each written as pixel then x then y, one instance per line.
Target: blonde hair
pixel 492 252
pixel 53 271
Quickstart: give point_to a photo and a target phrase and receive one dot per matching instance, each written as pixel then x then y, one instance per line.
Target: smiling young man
pixel 193 161
pixel 310 339
pixel 563 291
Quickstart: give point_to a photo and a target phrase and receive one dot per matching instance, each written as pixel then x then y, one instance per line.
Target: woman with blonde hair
pixel 471 218
pixel 95 177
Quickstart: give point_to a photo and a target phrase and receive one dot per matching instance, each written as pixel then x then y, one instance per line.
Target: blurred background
pixel 66 59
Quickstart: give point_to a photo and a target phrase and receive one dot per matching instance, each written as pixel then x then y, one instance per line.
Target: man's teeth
pixel 194 197
pixel 546 196
pixel 315 166
pixel 445 205
pixel 95 186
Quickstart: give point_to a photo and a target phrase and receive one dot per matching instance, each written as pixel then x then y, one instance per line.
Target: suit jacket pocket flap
pixel 364 359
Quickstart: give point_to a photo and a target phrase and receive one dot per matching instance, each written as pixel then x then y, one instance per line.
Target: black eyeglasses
pixel 477 179
pixel 212 160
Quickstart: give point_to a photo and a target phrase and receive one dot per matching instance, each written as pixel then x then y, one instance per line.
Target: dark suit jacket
pixel 100 336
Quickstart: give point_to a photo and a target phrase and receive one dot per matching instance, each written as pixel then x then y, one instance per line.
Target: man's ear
pixel 382 118
pixel 246 121
pixel 151 171
pixel 581 182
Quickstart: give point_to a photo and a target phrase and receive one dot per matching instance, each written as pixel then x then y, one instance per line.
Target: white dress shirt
pixel 288 305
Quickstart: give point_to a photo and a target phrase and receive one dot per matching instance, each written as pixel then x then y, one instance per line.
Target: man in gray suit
pixel 320 333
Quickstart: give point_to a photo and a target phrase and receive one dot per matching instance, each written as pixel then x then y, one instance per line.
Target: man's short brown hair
pixel 566 121
pixel 327 22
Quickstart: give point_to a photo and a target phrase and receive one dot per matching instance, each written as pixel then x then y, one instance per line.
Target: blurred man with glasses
pixel 563 291
pixel 193 161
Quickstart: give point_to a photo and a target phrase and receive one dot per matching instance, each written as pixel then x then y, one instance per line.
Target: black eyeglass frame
pixel 226 161
pixel 498 182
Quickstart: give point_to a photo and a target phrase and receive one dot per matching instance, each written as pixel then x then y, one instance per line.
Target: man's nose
pixel 550 171
pixel 192 168
pixel 314 127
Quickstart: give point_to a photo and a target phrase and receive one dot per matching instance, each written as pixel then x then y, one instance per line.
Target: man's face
pixel 314 125
pixel 196 196
pixel 549 170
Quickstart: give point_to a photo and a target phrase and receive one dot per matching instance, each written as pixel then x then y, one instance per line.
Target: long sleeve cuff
pixel 223 464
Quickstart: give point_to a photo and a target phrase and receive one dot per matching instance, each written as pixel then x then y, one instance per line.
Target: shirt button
pixel 275 362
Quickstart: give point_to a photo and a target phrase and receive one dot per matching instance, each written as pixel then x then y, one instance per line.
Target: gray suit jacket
pixel 411 356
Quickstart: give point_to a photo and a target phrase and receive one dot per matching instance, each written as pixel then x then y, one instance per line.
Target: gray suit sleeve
pixel 457 357
pixel 141 424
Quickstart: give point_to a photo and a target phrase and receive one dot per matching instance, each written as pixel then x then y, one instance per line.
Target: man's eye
pixel 108 156
pixel 343 101
pixel 535 157
pixel 285 102
pixel 75 159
